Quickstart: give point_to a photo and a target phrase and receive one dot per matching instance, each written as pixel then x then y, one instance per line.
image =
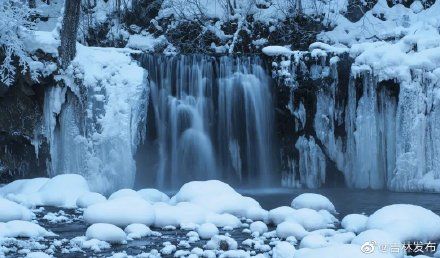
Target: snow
pixel 13 211
pixel 338 251
pixel 89 198
pixel 355 223
pixel 380 238
pixel 106 232
pixel 23 186
pixel 283 250
pixel 153 195
pixel 313 241
pixel 136 230
pixel 224 242
pixel 277 51
pixel 307 218
pixel 215 196
pixel 406 222
pixel 207 230
pixel 121 212
pixel 145 43
pixel 122 193
pixel 68 188
pixel 287 229
pixel 258 226
pixel 313 201
pixel 37 255
pixel 20 228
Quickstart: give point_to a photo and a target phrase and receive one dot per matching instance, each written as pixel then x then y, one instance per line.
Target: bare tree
pixel 69 30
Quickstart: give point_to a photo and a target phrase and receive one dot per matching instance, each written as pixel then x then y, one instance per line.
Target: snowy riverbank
pixel 204 219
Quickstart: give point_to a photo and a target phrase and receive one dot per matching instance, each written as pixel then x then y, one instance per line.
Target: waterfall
pixel 208 118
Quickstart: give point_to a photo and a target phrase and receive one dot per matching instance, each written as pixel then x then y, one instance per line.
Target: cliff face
pixel 24 151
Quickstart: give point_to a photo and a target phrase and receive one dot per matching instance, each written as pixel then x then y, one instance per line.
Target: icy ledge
pixel 208 211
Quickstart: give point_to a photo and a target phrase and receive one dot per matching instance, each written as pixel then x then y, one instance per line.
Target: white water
pixel 209 118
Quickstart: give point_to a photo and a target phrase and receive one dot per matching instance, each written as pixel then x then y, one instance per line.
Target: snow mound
pixel 136 230
pixel 153 195
pixel 355 223
pixel 307 218
pixel 13 211
pixel 88 199
pixel 106 232
pixel 40 191
pixel 283 250
pixel 121 212
pixel 379 238
pixel 288 229
pixel 37 255
pixel 313 201
pixel 313 241
pixel 182 213
pixel 277 51
pixel 221 242
pixel 413 223
pixel 23 186
pixel 215 196
pixel 20 228
pixel 258 226
pixel 207 230
pixel 338 251
pixel 68 188
pixel 122 193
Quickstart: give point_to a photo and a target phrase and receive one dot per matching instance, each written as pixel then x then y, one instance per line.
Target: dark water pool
pixel 346 200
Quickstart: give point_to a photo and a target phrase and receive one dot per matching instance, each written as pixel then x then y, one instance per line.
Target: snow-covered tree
pixel 13 29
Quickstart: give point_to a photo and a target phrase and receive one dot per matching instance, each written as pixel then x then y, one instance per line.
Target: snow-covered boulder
pixel 313 201
pixel 283 250
pixel 207 230
pixel 380 238
pixel 287 229
pixel 277 51
pixel 338 251
pixel 13 211
pixel 63 190
pixel 106 232
pixel 123 193
pixel 176 215
pixel 308 218
pixel 215 196
pixel 255 213
pixel 37 255
pixel 121 212
pixel 223 220
pixel 280 214
pixel 406 222
pixel 153 195
pixel 23 186
pixel 20 228
pixel 258 226
pixel 313 241
pixel 355 223
pixel 220 242
pixel 88 199
pixel 136 230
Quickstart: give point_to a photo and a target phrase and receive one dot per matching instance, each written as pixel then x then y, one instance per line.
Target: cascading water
pixel 208 118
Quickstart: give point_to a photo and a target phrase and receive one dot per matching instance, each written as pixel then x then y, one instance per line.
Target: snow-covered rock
pixel 68 188
pixel 153 195
pixel 20 228
pixel 287 229
pixel 313 241
pixel 37 255
pixel 13 211
pixel 380 238
pixel 313 201
pixel 277 51
pixel 88 199
pixel 221 242
pixel 23 186
pixel 283 250
pixel 215 196
pixel 406 222
pixel 258 226
pixel 137 230
pixel 355 223
pixel 121 212
pixel 207 230
pixel 338 251
pixel 179 214
pixel 123 193
pixel 106 232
